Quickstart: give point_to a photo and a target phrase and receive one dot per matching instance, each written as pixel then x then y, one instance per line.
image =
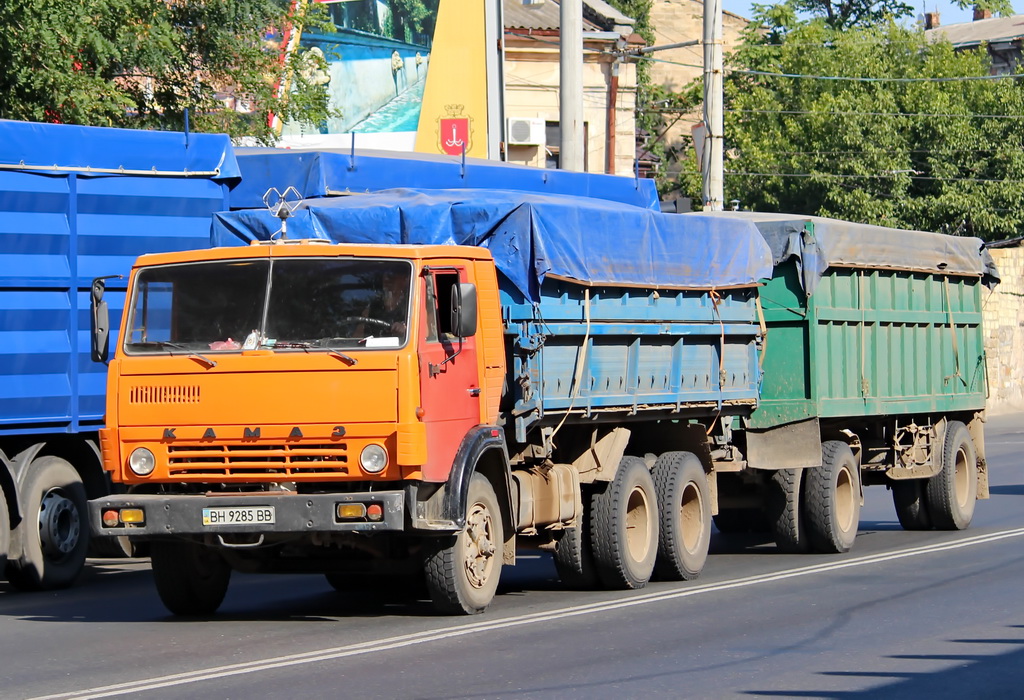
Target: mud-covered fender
pixel 483 449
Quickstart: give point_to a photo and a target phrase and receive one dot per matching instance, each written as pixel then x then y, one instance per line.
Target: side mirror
pixel 100 316
pixel 464 310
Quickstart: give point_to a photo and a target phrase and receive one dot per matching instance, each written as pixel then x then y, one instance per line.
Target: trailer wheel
pixel 190 578
pixel 911 506
pixel 463 571
pixel 684 507
pixel 55 530
pixel 574 561
pixel 832 499
pixel 624 527
pixel 5 529
pixel 951 494
pixel 783 507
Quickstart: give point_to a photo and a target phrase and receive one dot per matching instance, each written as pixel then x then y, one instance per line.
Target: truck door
pixel 449 390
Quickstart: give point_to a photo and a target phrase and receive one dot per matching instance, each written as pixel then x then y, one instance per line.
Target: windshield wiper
pixel 303 345
pixel 191 353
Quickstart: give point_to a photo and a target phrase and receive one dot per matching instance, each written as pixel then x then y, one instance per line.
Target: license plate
pixel 238 515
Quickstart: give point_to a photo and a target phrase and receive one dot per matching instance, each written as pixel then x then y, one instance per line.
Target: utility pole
pixel 712 170
pixel 570 99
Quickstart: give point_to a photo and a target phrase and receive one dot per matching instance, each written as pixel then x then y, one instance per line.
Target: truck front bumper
pixel 171 515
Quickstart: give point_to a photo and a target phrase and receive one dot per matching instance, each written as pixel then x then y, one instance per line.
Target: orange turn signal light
pixel 349 511
pixel 114 516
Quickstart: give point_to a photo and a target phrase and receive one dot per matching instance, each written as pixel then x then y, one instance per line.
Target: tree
pixel 846 14
pixel 905 143
pixel 142 63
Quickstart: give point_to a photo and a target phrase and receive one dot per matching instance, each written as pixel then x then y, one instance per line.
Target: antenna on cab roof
pixel 281 205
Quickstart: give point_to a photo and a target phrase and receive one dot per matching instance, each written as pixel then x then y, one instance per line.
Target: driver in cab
pixel 387 313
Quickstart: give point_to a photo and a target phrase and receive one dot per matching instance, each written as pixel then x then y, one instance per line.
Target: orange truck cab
pixel 285 400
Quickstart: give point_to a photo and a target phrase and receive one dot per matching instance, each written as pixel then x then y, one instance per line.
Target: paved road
pixel 905 614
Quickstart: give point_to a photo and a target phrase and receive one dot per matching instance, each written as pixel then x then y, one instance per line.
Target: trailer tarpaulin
pixel 816 243
pixel 531 236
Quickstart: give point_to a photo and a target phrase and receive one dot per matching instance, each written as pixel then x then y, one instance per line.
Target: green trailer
pixel 873 374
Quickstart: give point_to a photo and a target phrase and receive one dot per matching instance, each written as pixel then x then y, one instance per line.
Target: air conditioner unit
pixel 526 132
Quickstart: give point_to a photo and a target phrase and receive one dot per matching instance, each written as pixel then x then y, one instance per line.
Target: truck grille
pixel 164 394
pixel 240 459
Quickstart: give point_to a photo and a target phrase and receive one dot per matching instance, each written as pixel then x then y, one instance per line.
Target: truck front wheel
pixel 684 506
pixel 624 527
pixel 951 494
pixel 191 579
pixel 463 571
pixel 55 531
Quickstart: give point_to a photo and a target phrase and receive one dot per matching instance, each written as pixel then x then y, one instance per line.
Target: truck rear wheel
pixel 952 493
pixel 191 579
pixel 911 506
pixel 55 531
pixel 783 507
pixel 684 507
pixel 832 499
pixel 463 571
pixel 624 527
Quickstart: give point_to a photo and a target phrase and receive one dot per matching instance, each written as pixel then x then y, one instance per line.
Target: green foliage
pixel 142 63
pixel 937 156
pixel 837 14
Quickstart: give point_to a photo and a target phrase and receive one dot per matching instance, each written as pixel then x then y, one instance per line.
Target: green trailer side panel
pixel 870 342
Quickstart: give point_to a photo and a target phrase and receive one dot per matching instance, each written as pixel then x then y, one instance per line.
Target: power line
pixel 875 80
pixel 873 114
pixel 834 176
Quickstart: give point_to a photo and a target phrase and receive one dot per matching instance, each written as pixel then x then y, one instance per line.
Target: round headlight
pixel 142 461
pixel 373 459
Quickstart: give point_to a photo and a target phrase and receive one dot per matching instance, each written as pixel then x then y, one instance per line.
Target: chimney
pixel 931 20
pixel 982 14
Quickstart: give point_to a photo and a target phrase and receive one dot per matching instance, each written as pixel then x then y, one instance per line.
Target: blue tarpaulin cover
pixel 97 148
pixel 325 173
pixel 532 236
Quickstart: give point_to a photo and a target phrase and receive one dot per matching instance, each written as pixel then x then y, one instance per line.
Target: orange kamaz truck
pixel 408 386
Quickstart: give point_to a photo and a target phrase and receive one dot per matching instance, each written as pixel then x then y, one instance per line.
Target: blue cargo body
pixel 68 215
pixel 633 351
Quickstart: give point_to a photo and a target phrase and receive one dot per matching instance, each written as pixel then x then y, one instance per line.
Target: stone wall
pixel 1004 332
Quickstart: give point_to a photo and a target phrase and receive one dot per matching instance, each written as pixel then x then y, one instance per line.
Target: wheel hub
pixel 480 549
pixel 59 524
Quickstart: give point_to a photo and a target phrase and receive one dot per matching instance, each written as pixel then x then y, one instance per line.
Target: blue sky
pixel 948 12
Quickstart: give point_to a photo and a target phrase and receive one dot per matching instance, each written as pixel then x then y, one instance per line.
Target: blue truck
pixel 77 203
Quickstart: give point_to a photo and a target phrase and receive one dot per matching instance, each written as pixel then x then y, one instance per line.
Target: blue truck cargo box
pixel 78 203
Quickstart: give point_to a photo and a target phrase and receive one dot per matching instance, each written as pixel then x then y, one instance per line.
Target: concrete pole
pixel 570 110
pixel 712 170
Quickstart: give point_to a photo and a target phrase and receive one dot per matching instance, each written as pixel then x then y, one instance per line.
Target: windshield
pixel 314 303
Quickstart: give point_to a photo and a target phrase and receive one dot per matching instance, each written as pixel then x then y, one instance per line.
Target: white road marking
pixel 425 637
